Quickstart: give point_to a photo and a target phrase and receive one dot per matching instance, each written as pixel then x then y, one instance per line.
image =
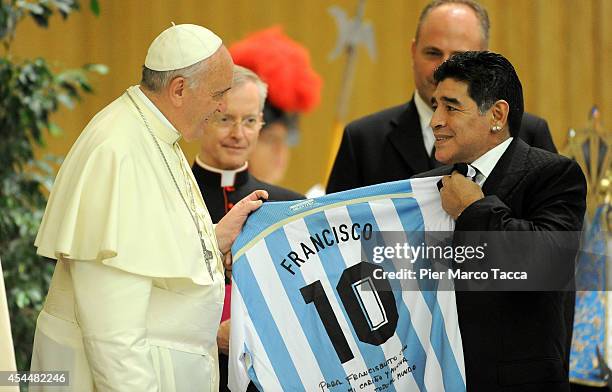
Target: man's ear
pixel 500 111
pixel 176 90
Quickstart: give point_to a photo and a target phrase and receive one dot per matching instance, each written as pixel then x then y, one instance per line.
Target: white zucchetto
pixel 180 46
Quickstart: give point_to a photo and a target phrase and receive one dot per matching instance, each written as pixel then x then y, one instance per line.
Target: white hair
pixel 244 75
pixel 158 80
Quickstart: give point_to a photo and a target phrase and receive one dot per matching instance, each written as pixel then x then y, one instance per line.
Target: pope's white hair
pixel 156 81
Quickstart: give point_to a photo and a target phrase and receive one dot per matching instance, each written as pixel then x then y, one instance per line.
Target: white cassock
pixel 7 354
pixel 132 305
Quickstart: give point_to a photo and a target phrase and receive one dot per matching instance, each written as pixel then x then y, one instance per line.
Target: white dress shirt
pixel 486 162
pixel 425 113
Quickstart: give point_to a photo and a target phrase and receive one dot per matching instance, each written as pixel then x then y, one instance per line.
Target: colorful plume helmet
pixel 293 86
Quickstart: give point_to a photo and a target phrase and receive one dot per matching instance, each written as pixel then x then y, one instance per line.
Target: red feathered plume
pixel 293 86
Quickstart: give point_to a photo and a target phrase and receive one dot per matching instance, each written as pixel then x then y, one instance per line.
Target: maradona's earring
pixel 496 128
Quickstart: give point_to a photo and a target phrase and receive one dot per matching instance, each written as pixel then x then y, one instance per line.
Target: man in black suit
pixel 397 143
pixel 512 341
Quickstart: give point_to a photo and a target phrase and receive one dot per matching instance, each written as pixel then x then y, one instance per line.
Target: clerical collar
pixel 168 133
pixel 225 178
pixel 425 114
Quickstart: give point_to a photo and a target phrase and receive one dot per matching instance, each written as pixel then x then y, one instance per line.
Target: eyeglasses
pixel 225 121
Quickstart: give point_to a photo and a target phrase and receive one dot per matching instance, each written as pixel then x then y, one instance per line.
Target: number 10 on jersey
pixel 369 303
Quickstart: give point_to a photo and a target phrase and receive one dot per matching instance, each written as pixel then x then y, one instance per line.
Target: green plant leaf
pixel 55 130
pixel 101 69
pixel 66 100
pixel 95 7
pixel 9 15
pixel 21 299
pixel 65 7
pixel 31 7
pixel 42 15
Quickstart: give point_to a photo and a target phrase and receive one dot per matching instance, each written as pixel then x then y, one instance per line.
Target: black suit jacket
pixel 388 146
pixel 520 341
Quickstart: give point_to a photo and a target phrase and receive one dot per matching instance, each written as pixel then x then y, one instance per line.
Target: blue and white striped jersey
pixel 308 315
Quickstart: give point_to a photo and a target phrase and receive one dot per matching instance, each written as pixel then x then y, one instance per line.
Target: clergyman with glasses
pixel 136 296
pixel 221 167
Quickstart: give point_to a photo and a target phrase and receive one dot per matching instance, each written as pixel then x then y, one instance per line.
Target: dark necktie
pixel 465 169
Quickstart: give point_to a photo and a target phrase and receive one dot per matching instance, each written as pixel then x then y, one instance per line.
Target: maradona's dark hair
pixel 490 77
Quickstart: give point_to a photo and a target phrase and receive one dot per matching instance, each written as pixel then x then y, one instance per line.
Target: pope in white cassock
pixel 136 295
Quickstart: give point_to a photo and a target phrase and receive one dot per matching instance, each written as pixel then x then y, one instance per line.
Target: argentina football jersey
pixel 311 312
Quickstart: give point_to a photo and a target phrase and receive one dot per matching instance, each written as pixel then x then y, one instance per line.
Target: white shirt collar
pixel 487 161
pixel 154 109
pixel 228 177
pixel 425 113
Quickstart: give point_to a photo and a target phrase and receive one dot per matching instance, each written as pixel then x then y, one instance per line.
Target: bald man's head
pixel 446 27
